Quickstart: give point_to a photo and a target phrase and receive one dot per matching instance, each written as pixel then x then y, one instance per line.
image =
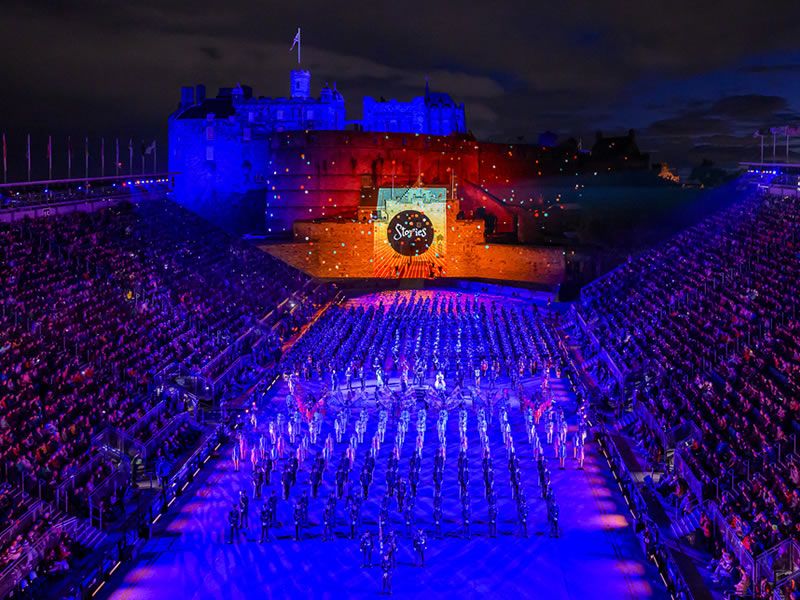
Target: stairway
pixel 627 419
pixel 688 524
pixel 82 531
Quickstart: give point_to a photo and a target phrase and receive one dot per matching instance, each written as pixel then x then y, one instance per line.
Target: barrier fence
pixel 730 539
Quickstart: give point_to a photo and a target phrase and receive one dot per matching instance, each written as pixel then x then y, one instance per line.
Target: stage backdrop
pixel 410 234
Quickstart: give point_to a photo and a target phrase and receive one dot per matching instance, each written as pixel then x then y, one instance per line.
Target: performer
pixel 386 580
pixel 233 523
pixel 553 517
pixel 440 385
pixel 244 506
pixel 298 520
pixel 236 457
pixel 266 521
pixel 419 547
pixel 437 514
pixel 366 549
pixel 273 507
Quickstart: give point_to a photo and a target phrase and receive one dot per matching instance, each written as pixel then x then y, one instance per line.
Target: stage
pixel 596 556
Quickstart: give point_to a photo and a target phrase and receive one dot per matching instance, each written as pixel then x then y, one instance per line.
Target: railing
pixel 780 563
pixel 111 438
pixel 667 566
pixel 146 419
pixel 785 584
pixel 682 467
pixel 731 541
pixel 665 437
pixel 154 442
pixel 612 365
pixel 27 482
pixel 15 572
pixel 112 484
pixel 22 522
pixel 64 490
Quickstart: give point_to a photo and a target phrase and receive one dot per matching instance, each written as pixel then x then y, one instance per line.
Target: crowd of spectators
pixel 706 326
pixel 27 195
pixel 95 306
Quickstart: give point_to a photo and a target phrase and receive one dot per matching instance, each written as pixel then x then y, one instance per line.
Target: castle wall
pixel 345 250
pixel 218 174
pixel 320 174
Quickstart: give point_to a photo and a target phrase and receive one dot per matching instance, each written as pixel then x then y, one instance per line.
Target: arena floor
pixel 596 556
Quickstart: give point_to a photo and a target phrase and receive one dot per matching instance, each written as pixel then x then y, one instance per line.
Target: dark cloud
pixel 777 69
pixel 520 66
pixel 211 52
pixel 721 130
pixel 748 107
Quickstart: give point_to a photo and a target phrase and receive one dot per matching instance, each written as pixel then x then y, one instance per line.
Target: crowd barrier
pixel 682 467
pixel 659 552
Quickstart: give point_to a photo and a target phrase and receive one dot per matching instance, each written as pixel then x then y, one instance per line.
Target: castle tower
pixel 301 84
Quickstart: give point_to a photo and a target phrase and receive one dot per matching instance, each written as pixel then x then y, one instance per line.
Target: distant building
pixel 615 153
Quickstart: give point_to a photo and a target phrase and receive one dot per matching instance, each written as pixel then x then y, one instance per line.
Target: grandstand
pixel 144 351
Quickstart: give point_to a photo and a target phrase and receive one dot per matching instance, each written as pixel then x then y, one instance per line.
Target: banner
pixel 410 233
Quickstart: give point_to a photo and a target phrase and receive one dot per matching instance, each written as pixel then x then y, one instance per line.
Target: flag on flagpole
pixel 296 42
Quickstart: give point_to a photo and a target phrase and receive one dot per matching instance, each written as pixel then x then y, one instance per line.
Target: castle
pixel 265 164
pixel 240 161
pixel 433 113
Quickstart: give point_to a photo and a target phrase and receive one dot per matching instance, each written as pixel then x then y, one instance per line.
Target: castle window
pixel 279 115
pixel 210 132
pixel 309 114
pixel 209 152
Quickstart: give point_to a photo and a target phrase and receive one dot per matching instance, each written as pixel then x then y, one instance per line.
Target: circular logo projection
pixel 410 233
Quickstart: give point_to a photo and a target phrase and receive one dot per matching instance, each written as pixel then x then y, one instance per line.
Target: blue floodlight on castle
pixel 221 146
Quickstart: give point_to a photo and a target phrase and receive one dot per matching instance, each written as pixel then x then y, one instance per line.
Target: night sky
pixel 694 78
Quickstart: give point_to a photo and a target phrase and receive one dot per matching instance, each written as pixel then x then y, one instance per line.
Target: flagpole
pixel 86 156
pixel 102 157
pixel 155 155
pixel 69 157
pixel 130 156
pixel 116 157
pixel 142 158
pixel 49 157
pixel 28 156
pixel 296 42
pixel 5 160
